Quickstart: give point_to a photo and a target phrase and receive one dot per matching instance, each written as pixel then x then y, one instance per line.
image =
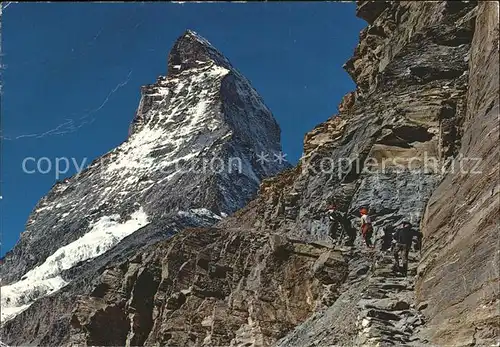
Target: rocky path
pixel 387 315
pixel 375 306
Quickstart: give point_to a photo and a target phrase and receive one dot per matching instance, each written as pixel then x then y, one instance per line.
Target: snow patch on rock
pixel 200 212
pixel 45 279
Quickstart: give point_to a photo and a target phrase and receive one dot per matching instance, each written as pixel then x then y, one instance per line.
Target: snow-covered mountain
pixel 190 159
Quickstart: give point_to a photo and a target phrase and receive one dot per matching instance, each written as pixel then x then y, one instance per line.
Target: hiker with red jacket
pixel 366 227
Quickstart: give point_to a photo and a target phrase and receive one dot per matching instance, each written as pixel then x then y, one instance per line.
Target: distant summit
pixel 191 50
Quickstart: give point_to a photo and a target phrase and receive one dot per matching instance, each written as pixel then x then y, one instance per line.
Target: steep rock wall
pixel 459 283
pixel 388 146
pixel 209 287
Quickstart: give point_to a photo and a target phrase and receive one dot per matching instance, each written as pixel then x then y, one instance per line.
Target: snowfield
pixel 45 279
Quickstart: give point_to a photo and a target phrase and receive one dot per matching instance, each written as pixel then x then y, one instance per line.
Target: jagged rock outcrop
pixel 459 283
pixel 189 160
pixel 375 308
pixel 209 287
pixel 389 148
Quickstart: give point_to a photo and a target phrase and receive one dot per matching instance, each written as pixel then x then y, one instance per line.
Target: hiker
pixel 339 221
pixel 334 221
pixel 366 227
pixel 348 229
pixel 387 238
pixel 403 239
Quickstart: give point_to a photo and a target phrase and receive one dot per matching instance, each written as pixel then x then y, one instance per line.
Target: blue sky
pixel 77 68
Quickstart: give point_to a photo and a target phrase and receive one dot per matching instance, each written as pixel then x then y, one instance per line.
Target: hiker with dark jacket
pixel 340 223
pixel 387 238
pixel 403 239
pixel 348 229
pixel 334 218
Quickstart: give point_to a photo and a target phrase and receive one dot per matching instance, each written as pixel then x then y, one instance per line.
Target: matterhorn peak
pixel 189 160
pixel 193 51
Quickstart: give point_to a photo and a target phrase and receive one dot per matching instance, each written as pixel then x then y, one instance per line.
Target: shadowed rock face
pixel 209 287
pixel 459 270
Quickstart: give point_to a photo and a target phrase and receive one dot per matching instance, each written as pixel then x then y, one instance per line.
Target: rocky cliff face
pixel 189 160
pixel 404 120
pixel 388 149
pixel 209 287
pixel 459 285
pixel 270 275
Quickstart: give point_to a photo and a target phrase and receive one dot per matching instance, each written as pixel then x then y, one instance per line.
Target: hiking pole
pixel 341 236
